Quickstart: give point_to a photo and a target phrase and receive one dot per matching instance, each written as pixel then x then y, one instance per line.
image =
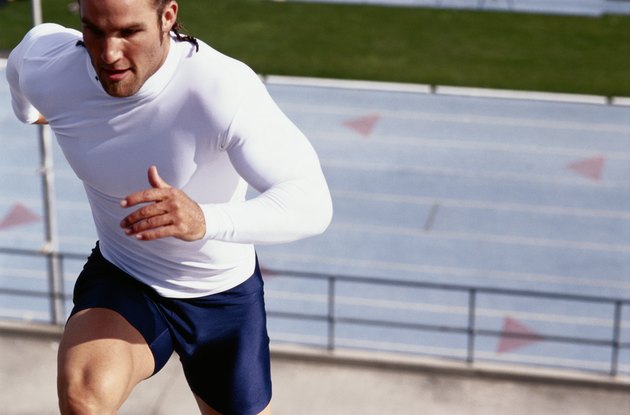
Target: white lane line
pixel 453 272
pixel 365 166
pixel 479 354
pixel 25 315
pixel 400 347
pixel 347 84
pixel 58 173
pixel 477 145
pixel 31 203
pixel 482 237
pixel 34 204
pixel 6 272
pixel 366 344
pixel 521 95
pixel 285 337
pixel 19 171
pixel 310 82
pixel 14 236
pixel 481 204
pixel 462 118
pixel 10 237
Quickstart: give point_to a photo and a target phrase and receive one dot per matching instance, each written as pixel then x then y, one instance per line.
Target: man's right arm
pixel 22 106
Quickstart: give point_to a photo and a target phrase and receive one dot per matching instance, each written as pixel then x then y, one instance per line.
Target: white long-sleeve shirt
pixel 208 124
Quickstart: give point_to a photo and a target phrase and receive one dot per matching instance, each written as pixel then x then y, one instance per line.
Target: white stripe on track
pixel 472 174
pixel 460 118
pixel 477 145
pixel 481 237
pixel 481 204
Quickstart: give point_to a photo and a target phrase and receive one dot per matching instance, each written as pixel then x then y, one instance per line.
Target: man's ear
pixel 169 16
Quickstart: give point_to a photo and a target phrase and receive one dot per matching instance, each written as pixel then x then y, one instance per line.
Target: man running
pixel 166 134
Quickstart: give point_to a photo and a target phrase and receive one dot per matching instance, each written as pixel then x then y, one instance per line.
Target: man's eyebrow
pixel 131 26
pixel 86 22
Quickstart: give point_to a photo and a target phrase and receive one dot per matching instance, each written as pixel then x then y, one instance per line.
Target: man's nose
pixel 112 50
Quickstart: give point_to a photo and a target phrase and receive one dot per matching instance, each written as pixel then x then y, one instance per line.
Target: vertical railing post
pixel 331 313
pixel 472 300
pixel 36 12
pixel 614 359
pixel 55 282
pixel 51 248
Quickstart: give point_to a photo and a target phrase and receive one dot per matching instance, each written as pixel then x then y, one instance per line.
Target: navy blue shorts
pixel 221 339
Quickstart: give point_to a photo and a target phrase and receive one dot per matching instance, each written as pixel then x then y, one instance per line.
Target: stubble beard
pixel 120 89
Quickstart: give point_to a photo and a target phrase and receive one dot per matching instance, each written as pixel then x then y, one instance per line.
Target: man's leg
pixel 101 359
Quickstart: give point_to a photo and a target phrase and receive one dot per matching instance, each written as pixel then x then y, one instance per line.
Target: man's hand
pixel 170 212
pixel 41 120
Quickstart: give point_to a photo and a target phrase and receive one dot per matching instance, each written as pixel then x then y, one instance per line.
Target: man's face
pixel 125 42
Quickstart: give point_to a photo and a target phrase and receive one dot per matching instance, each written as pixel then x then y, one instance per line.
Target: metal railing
pixel 332 319
pixel 470 329
pixel 55 277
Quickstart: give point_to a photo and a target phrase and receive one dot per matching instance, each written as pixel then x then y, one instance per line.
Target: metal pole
pixel 55 278
pixel 331 313
pixel 472 306
pixel 51 248
pixel 614 360
pixel 36 12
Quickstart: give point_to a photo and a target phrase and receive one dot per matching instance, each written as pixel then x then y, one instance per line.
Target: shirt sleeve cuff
pixel 219 225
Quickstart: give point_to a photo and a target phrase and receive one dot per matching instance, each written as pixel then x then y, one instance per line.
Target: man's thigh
pixel 101 287
pixel 101 359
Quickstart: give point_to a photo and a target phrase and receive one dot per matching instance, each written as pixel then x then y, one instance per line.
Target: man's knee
pixel 101 358
pixel 83 393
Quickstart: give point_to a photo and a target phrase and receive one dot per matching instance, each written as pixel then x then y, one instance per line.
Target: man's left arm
pixel 275 158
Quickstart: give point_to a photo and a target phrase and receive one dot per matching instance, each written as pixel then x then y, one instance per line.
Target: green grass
pixel 445 47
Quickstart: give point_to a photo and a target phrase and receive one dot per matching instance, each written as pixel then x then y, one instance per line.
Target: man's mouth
pixel 115 75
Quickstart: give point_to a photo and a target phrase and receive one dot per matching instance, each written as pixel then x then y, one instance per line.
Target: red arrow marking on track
pixel 590 168
pixel 509 343
pixel 18 215
pixel 363 125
